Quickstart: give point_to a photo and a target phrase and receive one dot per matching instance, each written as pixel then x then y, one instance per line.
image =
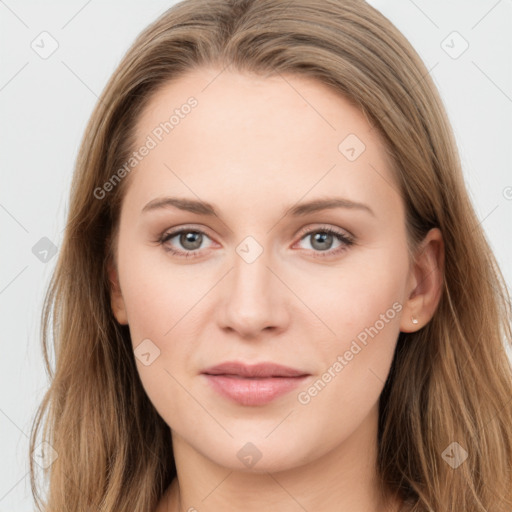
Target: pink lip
pixel 253 385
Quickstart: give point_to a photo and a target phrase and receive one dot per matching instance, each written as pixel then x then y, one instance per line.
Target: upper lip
pixel 261 370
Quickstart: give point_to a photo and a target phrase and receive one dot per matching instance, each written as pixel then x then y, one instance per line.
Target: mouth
pixel 253 385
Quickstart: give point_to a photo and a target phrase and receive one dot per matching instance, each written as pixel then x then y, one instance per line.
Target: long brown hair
pixel 450 382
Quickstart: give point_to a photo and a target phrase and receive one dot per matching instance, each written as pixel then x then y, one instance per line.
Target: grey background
pixel 46 102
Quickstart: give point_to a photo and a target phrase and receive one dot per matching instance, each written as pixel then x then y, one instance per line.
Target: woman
pixel 273 291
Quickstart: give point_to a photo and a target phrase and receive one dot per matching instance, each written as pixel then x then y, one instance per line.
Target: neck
pixel 342 479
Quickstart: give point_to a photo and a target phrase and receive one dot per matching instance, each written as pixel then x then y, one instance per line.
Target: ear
pixel 425 283
pixel 116 297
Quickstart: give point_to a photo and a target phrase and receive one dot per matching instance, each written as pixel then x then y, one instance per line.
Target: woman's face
pixel 261 281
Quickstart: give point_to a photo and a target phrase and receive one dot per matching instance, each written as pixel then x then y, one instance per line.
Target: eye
pixel 190 241
pixel 322 240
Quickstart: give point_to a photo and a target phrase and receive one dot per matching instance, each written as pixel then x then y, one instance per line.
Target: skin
pixel 255 147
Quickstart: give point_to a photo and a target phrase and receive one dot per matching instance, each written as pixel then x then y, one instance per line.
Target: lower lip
pixel 247 391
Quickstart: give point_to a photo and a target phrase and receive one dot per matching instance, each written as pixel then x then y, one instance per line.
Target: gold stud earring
pixel 414 320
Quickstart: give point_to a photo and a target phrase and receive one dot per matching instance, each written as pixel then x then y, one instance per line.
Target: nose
pixel 254 300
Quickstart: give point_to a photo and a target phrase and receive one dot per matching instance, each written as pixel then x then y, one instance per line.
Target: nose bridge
pixel 251 276
pixel 251 279
pixel 253 296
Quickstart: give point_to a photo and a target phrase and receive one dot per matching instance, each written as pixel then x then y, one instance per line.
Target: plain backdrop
pixel 46 100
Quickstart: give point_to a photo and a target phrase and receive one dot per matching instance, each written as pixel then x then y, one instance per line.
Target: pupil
pixel 321 238
pixel 191 240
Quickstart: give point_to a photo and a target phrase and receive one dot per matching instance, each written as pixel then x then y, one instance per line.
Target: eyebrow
pixel 204 208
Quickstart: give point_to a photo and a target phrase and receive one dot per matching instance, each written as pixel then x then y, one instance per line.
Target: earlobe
pixel 426 283
pixel 116 297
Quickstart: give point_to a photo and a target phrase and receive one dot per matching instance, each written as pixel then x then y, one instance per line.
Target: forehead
pixel 223 131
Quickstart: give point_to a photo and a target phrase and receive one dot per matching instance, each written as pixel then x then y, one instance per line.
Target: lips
pixel 253 385
pixel 260 370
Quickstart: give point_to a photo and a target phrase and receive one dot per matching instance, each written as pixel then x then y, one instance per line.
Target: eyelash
pixel 346 240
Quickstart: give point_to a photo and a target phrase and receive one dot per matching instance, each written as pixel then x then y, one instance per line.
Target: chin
pixel 254 455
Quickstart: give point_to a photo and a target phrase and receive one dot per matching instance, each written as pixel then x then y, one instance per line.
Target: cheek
pixel 364 291
pixel 362 304
pixel 158 303
pixel 163 304
pixel 156 293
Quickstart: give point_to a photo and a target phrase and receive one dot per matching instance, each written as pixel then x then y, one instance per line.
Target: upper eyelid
pixel 171 232
pixel 302 231
pixel 340 231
